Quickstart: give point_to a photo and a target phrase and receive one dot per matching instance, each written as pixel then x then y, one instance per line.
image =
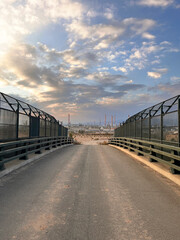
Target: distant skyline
pixel 90 58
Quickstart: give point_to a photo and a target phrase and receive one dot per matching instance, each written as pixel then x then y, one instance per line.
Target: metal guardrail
pixel 169 155
pixel 20 149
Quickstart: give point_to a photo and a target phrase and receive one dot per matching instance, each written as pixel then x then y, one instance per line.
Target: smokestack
pixel 69 120
pixel 105 120
pixel 111 121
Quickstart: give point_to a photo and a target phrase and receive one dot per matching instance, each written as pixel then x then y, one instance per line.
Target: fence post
pixel 161 123
pixel 141 127
pixel 149 124
pixel 45 126
pixel 179 121
pixel 39 125
pixel 17 121
pixel 30 124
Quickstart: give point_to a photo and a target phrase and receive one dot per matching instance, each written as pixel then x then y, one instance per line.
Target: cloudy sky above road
pixel 91 57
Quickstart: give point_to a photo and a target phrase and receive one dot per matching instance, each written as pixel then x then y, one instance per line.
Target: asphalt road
pixel 88 193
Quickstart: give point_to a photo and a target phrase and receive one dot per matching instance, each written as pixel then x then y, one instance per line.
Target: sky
pixel 90 58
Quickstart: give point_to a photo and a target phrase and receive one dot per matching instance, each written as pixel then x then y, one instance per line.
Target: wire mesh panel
pixel 145 128
pixel 156 128
pixel 23 126
pixel 128 129
pixel 34 132
pixel 119 132
pixel 56 129
pixel 132 129
pixel 8 124
pixel 42 128
pixel 52 128
pixel 60 130
pixel 48 128
pixel 170 127
pixel 63 131
pixel 158 123
pixel 21 120
pixel 138 129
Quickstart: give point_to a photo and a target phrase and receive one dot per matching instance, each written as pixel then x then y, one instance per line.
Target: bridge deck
pixel 88 192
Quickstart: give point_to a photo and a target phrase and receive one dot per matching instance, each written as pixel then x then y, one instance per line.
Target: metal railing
pixel 166 154
pixel 20 120
pixel 159 123
pixel 22 148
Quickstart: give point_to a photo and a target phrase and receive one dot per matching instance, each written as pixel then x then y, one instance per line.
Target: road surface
pixel 88 193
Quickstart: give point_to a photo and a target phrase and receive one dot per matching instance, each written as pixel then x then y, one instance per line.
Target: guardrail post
pixel 152 153
pixel 25 151
pixel 58 141
pixel 175 162
pixel 54 142
pixel 140 149
pixel 131 147
pixel 125 144
pixel 48 144
pixel 38 147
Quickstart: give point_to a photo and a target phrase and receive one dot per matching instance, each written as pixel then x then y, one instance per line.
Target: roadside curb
pixel 164 172
pixel 26 162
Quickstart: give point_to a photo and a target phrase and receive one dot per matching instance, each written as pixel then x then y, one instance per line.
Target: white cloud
pixel 109 13
pixel 175 79
pixel 122 69
pixel 24 17
pixel 103 35
pixel 97 31
pixel 148 53
pixel 103 69
pixel 165 43
pixel 148 36
pixel 158 73
pixel 102 44
pixel 154 74
pixel 139 26
pixel 161 70
pixel 155 3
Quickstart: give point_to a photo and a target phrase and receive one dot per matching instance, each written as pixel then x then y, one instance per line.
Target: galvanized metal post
pixel 30 124
pixel 17 121
pixel 141 127
pixel 45 126
pixel 179 121
pixel 39 125
pixel 149 124
pixel 161 124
